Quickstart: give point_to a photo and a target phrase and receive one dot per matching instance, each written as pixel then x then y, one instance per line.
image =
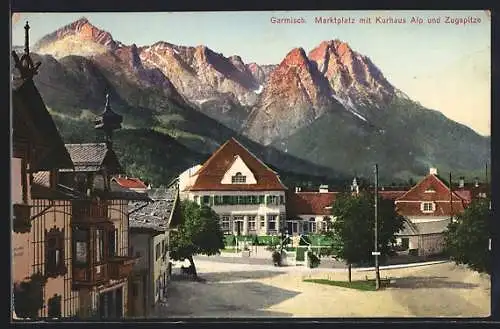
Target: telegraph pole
pixel 451 201
pixel 376 253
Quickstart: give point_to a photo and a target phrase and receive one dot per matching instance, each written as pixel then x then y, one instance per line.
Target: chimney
pixel 323 188
pixel 461 182
pixel 433 171
pixel 476 182
pixel 297 189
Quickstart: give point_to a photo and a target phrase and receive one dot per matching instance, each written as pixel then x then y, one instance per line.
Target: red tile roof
pixel 130 182
pixel 409 204
pixel 391 195
pixel 309 203
pixel 442 209
pixel 430 182
pixel 213 170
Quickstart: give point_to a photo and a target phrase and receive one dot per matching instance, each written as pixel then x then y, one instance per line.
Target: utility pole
pixel 376 253
pixel 451 201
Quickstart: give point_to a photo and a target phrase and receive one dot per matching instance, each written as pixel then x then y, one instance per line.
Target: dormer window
pixel 238 178
pixel 428 207
pixel 430 190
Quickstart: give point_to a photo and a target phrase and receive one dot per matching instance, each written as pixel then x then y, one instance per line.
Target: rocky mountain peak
pixel 296 57
pixel 77 38
pixel 350 73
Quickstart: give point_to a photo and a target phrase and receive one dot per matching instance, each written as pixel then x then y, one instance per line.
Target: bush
pixel 304 240
pixel 230 240
pixel 255 241
pixel 314 261
pixel 277 258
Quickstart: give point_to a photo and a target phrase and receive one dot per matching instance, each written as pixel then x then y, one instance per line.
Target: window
pixel 427 207
pixel 99 245
pixel 263 223
pixel 272 199
pixel 195 199
pixel 251 223
pixel 262 199
pixel 271 222
pixel 54 253
pixel 282 199
pixel 112 242
pixel 54 306
pixel 238 178
pixel 312 225
pixel 218 200
pixel 206 200
pixel 226 223
pixel 80 238
pixel 157 251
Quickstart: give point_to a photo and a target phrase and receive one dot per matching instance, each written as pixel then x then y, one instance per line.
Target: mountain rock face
pixel 294 96
pixel 78 38
pixel 219 86
pixel 353 77
pixel 331 106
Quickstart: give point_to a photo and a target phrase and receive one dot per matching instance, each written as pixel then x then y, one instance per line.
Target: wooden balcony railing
pixel 121 266
pixel 91 276
pixel 22 215
pixel 87 209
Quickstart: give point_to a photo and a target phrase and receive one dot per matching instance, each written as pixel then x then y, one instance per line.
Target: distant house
pixel 150 224
pixel 135 184
pixel 248 196
pixel 428 207
pixel 309 212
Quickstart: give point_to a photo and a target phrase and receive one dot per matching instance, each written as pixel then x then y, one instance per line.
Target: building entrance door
pixel 238 225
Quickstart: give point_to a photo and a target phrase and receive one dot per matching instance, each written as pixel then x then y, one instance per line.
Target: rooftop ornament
pixel 108 121
pixel 25 64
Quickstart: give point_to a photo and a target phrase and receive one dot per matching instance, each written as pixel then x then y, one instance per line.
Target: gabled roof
pixel 430 182
pixel 29 112
pixel 433 227
pixel 92 157
pixel 116 191
pixel 213 170
pixel 130 182
pixel 443 209
pixel 158 215
pixel 309 203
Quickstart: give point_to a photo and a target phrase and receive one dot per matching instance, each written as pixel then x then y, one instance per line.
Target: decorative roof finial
pixel 108 121
pixel 26 38
pixel 25 63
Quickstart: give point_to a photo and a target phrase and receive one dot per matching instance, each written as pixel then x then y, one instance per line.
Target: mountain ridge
pixel 277 104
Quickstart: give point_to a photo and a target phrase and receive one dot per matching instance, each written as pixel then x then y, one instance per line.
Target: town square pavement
pixel 243 290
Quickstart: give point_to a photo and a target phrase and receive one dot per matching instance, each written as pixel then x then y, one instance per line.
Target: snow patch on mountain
pixel 259 90
pixel 349 106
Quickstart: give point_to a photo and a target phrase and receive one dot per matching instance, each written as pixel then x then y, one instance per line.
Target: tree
pixel 353 227
pixel 467 238
pixel 199 233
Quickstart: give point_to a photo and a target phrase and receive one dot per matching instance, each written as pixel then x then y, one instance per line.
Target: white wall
pixel 186 178
pixel 238 166
pixel 16 181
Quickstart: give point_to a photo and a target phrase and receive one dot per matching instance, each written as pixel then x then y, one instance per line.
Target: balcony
pixel 22 215
pixel 121 266
pixel 90 276
pixel 89 210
